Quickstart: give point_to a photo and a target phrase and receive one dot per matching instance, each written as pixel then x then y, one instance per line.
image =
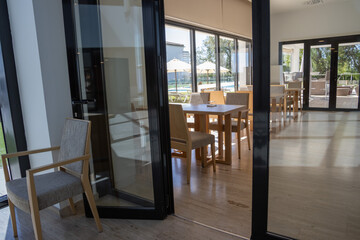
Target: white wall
pixel 233 16
pixel 41 64
pixel 328 20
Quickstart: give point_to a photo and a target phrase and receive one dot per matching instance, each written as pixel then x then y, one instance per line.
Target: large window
pixel 227 64
pixel 178 61
pixel 203 60
pixel 244 63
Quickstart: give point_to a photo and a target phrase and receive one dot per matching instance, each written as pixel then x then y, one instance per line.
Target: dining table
pixel 223 111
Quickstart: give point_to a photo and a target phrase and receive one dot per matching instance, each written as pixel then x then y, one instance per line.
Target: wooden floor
pixel 314 191
pixel 315 177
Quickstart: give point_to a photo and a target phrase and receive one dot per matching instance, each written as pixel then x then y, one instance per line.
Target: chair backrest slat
pixel 178 126
pixel 74 142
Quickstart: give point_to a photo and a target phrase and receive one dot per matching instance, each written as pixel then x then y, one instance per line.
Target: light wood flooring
pixel 314 191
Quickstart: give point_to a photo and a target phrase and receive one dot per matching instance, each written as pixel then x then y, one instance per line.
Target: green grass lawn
pixel 2 143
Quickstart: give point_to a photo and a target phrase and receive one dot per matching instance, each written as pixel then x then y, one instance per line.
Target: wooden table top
pixel 220 109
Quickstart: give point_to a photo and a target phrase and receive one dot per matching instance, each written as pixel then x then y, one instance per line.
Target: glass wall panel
pixel 205 61
pixel 178 57
pixel 227 64
pixel 2 151
pixel 347 92
pixel 313 156
pixel 320 60
pixel 244 66
pixel 113 79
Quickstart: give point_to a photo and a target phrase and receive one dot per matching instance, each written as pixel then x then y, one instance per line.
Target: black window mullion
pixel 217 61
pixel 333 75
pixel 193 60
pixel 306 76
pixel 236 86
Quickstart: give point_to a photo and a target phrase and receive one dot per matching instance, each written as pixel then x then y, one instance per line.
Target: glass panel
pixel 313 159
pixel 112 72
pixel 178 57
pixel 320 76
pixel 2 151
pixel 347 92
pixel 205 61
pixel 244 67
pixel 227 64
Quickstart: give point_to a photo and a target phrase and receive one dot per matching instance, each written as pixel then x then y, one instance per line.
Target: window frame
pixel 217 35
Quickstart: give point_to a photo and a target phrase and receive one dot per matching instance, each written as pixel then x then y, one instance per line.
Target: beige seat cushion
pixel 200 139
pixel 51 188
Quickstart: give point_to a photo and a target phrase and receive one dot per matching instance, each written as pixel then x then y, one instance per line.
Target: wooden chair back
pixel 178 126
pixel 217 97
pixel 237 99
pixel 274 89
pixel 294 84
pixel 75 142
pixel 200 98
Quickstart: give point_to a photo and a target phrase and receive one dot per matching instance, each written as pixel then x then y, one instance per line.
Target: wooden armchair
pixel 184 140
pixel 36 192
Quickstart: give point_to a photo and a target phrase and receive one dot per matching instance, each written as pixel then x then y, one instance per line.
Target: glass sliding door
pixel 319 89
pixel 227 64
pixel 115 74
pixel 206 68
pixel 348 76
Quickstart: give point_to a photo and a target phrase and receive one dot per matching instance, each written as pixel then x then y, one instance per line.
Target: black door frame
pixel 261 88
pixel 334 42
pixel 11 113
pixel 155 57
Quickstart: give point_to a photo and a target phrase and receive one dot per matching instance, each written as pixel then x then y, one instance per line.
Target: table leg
pixel 296 104
pixel 220 136
pixel 227 129
pixel 197 128
pixel 273 109
pixel 202 126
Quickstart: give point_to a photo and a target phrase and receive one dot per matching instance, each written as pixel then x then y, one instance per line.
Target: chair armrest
pixel 19 154
pixel 55 165
pixel 24 153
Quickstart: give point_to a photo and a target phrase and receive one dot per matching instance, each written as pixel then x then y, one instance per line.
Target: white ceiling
pixel 281 6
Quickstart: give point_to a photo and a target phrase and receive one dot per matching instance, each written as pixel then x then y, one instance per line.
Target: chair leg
pixel 34 207
pixel 91 200
pixel 202 154
pixel 72 206
pixel 13 218
pixel 248 135
pixel 188 165
pixel 213 156
pixel 239 143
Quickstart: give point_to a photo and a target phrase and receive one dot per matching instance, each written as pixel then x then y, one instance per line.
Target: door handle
pixel 83 101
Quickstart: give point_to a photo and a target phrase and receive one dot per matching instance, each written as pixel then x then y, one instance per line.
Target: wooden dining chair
pixel 37 192
pixel 240 120
pixel 184 140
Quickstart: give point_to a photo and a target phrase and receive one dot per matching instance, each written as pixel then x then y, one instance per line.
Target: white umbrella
pixel 175 66
pixel 209 67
